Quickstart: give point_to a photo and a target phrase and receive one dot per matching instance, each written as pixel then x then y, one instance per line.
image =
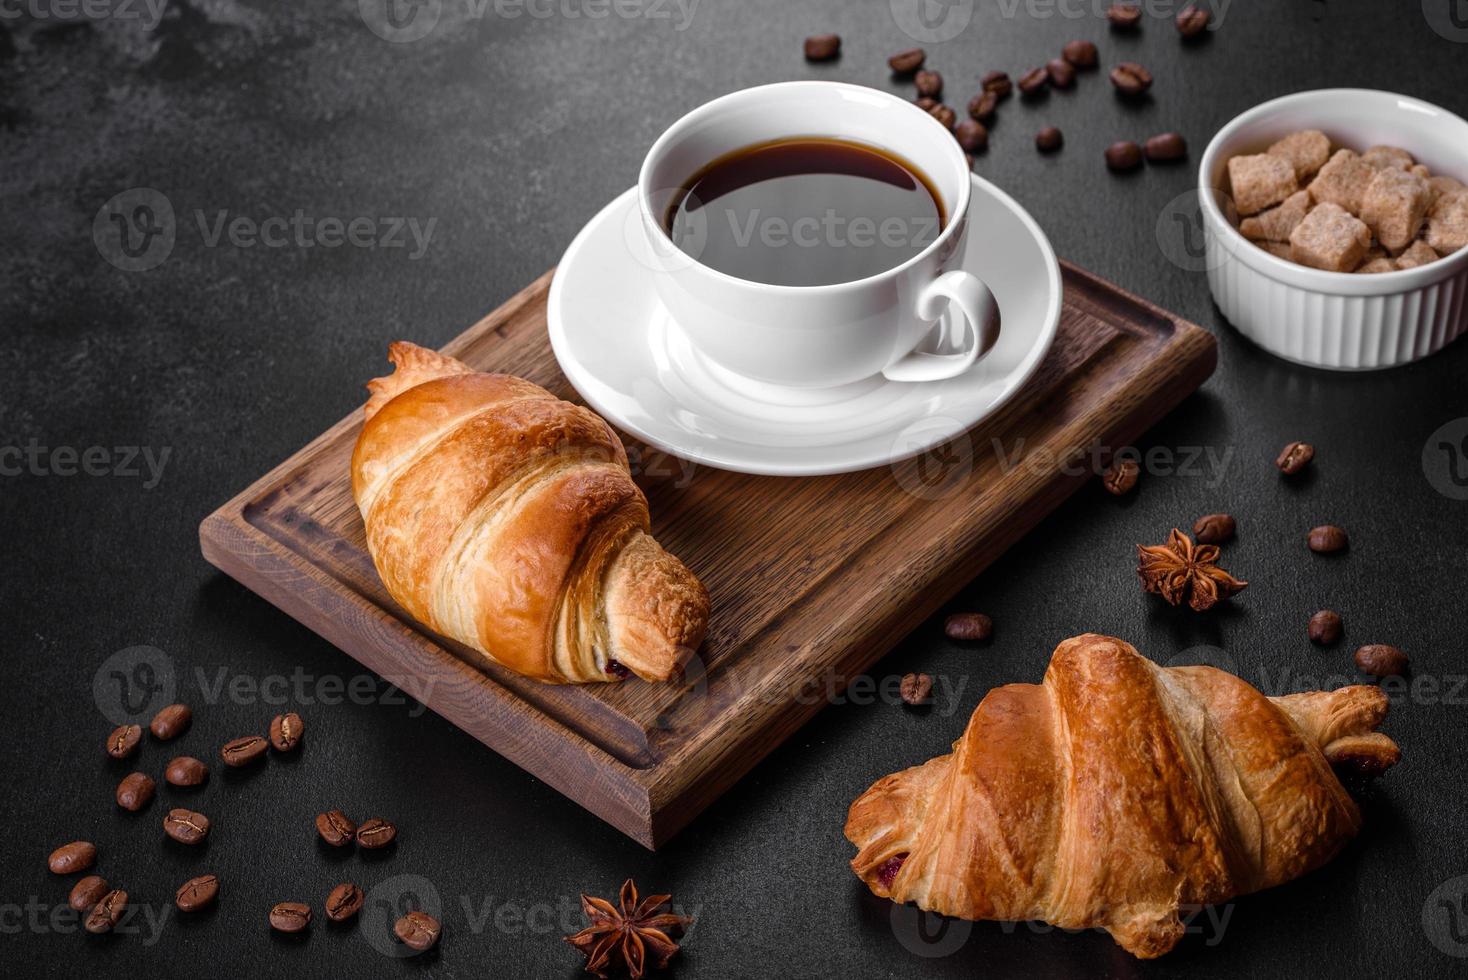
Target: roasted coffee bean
pixel 823 47
pixel 997 82
pixel 290 916
pixel 186 771
pixel 1295 457
pixel 171 721
pixel 344 902
pixel 983 106
pixel 926 104
pixel 1121 476
pixel 944 115
pixel 1123 156
pixel 375 833
pixel 417 930
pixel 916 688
pixel 907 62
pixel 1131 78
pixel 1124 16
pixel 1166 148
pixel 1192 21
pixel 929 83
pixel 107 912
pixel 196 893
pixel 1381 660
pixel 1081 54
pixel 969 627
pixel 124 741
pixel 1325 627
pixel 1214 529
pixel 87 892
pixel 286 731
pixel 1048 140
pixel 335 828
pixel 135 791
pixel 968 158
pixel 972 136
pixel 243 751
pixel 186 826
pixel 1327 539
pixel 1033 82
pixel 68 859
pixel 1062 73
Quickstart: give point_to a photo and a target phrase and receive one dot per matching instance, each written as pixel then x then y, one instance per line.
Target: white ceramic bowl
pixel 1336 320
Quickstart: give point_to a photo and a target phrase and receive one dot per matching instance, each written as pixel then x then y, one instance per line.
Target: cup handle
pixel 981 326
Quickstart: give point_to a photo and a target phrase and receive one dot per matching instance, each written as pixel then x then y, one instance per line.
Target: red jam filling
pixel 887 873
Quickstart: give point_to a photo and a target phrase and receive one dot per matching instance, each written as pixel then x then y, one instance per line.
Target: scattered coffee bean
pixel 1295 457
pixel 926 104
pixel 1214 529
pixel 1124 16
pixel 68 859
pixel 196 893
pixel 1123 156
pixel 1131 78
pixel 1081 54
pixel 968 159
pixel 1192 21
pixel 417 930
pixel 135 791
pixel 186 826
pixel 124 741
pixel 916 688
pixel 1033 82
pixel 972 136
pixel 1166 148
pixel 1048 140
pixel 1381 660
pixel 344 902
pixel 944 115
pixel 928 83
pixel 983 106
pixel 87 892
pixel 335 828
pixel 907 62
pixel 171 721
pixel 290 916
pixel 823 47
pixel 969 627
pixel 375 833
pixel 243 751
pixel 1327 539
pixel 998 83
pixel 186 771
pixel 1062 73
pixel 1121 476
pixel 107 912
pixel 1325 627
pixel 286 731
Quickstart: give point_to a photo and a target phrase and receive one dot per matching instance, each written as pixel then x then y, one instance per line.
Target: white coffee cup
pixel 820 336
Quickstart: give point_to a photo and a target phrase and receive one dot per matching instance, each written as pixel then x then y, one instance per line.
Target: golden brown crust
pixel 1115 793
pixel 495 513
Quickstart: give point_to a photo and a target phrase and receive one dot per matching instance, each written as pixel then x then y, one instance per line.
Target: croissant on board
pixel 1118 791
pixel 505 518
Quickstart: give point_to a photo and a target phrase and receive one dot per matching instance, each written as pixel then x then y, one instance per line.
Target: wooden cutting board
pixel 811 579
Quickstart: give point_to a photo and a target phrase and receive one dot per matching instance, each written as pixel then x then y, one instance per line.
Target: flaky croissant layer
pixel 1118 792
pixel 507 519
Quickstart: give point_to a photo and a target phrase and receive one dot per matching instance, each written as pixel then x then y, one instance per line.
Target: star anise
pixel 1182 570
pixel 630 937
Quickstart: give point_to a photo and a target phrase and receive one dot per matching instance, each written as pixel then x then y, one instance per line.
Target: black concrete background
pixel 510 134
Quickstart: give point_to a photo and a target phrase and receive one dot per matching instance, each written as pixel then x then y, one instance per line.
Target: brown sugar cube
pixel 1343 181
pixel 1418 253
pixel 1447 225
pixel 1280 250
pixel 1446 185
pixel 1260 181
pixel 1306 151
pixel 1382 157
pixel 1276 224
pixel 1394 207
pixel 1373 266
pixel 1330 238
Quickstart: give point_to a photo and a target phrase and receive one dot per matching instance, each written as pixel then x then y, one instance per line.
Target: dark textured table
pixel 507 133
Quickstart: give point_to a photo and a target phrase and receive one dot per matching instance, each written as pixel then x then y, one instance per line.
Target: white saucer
pixel 621 350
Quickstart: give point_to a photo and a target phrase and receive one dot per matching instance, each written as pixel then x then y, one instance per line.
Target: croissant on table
pixel 505 518
pixel 1117 792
